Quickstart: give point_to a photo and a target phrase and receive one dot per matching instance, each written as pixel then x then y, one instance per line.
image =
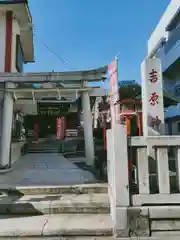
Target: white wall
pixel 15 30
pixel 159 31
pixel 2 55
pixel 2 40
pixel 27 107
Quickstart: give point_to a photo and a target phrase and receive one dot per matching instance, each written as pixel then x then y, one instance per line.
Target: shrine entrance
pixel 47 126
pixel 47 113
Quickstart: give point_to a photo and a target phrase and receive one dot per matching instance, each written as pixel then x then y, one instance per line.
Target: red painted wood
pixel 8 48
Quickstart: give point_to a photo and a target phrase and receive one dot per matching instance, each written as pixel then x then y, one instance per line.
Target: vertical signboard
pixel 62 127
pixel 114 92
pixel 58 128
pixel 36 130
pixel 152 97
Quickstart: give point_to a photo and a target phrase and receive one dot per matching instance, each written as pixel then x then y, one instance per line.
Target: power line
pixel 49 48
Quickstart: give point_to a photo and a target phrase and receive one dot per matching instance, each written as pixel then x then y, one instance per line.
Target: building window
pixel 178 126
pixel 177 90
pixel 19 55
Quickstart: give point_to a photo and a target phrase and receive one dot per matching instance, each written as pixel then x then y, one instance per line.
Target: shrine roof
pixel 130 100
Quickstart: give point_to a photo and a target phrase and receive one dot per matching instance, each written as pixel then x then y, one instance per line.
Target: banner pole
pixel 118 98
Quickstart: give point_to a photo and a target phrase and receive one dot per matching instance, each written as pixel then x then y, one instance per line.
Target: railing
pixel 154 151
pixel 149 151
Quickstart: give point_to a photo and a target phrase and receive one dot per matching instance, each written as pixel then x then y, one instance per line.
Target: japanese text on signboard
pixel 153 78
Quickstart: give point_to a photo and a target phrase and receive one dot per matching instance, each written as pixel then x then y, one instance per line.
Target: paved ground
pixel 45 169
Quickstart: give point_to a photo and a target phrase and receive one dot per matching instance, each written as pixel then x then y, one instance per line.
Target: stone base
pixel 121 228
pixel 5 170
pixel 138 221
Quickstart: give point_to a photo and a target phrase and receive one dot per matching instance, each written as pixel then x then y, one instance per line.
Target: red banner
pixel 58 128
pixel 36 130
pixel 114 92
pixel 62 127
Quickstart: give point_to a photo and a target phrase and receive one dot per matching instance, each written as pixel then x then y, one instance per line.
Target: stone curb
pixel 86 225
pixel 93 233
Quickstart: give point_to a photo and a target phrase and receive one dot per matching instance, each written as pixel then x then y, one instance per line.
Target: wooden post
pixel 140 123
pixel 104 130
pixel 128 125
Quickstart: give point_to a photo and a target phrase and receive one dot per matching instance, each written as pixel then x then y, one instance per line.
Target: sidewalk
pixel 43 170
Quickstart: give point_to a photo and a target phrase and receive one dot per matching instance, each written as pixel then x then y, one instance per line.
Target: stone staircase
pixel 46 146
pixel 61 211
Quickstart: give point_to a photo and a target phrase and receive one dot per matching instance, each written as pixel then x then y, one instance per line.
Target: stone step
pixel 91 238
pixel 54 204
pixel 80 238
pixel 56 225
pixel 40 152
pixel 77 238
pixel 61 189
pixel 44 150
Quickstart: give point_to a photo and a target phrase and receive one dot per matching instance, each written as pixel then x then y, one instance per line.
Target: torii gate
pixel 16 88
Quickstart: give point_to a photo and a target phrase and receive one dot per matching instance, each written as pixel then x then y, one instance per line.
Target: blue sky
pixel 88 33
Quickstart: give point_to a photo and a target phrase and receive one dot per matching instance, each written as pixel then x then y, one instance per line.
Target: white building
pixel 164 43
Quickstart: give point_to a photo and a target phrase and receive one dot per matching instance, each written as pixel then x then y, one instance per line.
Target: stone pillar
pixel 88 130
pixel 152 97
pixel 7 116
pixel 118 178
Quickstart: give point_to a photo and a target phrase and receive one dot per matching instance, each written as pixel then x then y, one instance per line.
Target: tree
pixel 132 90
